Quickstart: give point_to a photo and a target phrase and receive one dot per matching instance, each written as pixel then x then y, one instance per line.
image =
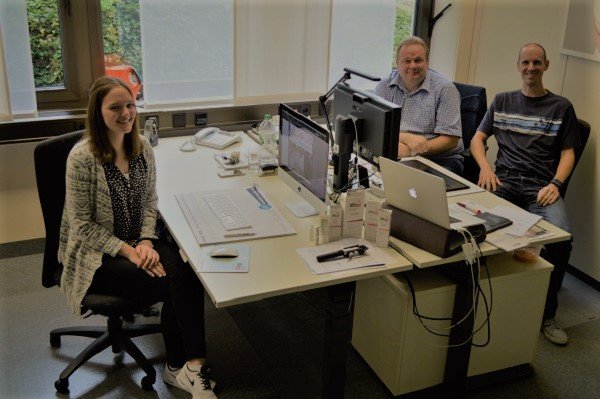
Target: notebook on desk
pixel 421 194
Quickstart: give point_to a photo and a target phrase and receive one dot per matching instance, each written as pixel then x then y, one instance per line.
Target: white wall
pixel 494 30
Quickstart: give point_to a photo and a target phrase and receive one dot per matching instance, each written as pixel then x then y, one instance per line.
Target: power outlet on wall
pixel 304 109
pixel 155 117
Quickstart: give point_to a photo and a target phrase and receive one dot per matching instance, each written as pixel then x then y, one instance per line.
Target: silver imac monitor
pixel 303 160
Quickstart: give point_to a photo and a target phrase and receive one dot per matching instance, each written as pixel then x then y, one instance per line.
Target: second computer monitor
pixel 377 121
pixel 304 156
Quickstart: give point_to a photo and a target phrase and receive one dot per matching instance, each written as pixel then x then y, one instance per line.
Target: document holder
pixel 428 236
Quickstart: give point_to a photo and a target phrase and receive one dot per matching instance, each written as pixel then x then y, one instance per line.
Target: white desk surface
pixel 423 258
pixel 275 266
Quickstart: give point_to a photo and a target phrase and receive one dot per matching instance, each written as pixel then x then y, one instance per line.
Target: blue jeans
pixel 522 191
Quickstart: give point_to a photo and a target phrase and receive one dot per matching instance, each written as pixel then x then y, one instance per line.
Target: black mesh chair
pixel 584 135
pixel 50 158
pixel 473 104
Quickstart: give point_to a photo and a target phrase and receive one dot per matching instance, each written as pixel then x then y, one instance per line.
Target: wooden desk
pixel 275 266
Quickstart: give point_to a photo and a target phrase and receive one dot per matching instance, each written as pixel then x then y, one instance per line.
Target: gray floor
pixel 247 352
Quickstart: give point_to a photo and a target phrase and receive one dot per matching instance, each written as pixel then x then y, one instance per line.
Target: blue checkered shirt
pixel 431 110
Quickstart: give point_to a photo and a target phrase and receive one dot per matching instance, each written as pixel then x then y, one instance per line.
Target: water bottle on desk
pixel 267 136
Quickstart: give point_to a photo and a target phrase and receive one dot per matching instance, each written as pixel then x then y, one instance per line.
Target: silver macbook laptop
pixel 421 194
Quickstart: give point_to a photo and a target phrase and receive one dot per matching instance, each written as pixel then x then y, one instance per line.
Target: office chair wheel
pixel 119 357
pixel 62 386
pixel 147 383
pixel 55 341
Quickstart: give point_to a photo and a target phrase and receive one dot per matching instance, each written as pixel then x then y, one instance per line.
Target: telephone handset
pixel 215 138
pixel 204 133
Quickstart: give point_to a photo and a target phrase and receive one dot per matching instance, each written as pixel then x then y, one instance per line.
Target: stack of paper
pixel 521 233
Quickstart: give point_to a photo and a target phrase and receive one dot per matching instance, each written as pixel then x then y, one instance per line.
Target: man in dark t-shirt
pixel 536 132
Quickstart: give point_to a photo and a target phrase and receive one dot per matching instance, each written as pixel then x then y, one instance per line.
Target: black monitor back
pixel 377 121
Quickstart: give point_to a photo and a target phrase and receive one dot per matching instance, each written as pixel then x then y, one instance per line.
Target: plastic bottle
pixel 267 133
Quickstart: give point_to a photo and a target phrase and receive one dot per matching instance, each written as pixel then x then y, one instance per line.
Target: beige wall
pixel 493 31
pixel 20 214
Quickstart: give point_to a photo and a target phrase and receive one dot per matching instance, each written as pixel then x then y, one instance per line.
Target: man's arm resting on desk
pixel 419 145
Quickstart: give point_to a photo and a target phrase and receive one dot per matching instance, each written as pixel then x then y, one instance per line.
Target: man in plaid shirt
pixel 430 124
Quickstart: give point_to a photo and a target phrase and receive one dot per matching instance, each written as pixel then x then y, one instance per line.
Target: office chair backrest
pixel 473 105
pixel 584 135
pixel 50 158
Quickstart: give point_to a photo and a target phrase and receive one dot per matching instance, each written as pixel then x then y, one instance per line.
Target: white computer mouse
pixel 223 252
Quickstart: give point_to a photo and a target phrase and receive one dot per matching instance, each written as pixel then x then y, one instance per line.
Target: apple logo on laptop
pixel 412 192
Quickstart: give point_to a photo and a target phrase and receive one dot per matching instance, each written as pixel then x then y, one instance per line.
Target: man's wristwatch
pixel 557 183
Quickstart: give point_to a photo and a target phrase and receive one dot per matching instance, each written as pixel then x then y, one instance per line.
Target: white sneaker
pixel 554 333
pixel 170 376
pixel 198 383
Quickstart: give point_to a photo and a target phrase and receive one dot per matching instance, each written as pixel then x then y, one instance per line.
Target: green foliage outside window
pixel 404 24
pixel 121 31
pixel 44 34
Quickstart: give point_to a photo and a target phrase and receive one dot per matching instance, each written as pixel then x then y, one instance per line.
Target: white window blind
pixel 187 51
pixel 18 74
pixel 281 48
pixel 362 38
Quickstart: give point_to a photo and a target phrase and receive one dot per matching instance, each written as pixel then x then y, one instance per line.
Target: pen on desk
pixel 230 235
pixel 469 208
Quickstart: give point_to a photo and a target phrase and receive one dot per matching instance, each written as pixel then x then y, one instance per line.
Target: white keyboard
pixel 226 212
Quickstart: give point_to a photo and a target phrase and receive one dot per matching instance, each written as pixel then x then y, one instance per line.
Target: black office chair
pixel 50 158
pixel 584 135
pixel 473 104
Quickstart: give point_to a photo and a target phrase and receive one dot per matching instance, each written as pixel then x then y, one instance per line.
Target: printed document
pixel 264 218
pixel 522 220
pixel 373 257
pixel 509 242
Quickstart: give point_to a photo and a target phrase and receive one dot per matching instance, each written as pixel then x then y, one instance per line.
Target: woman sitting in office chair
pixel 108 243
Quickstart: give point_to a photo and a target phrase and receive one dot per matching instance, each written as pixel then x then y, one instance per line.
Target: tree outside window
pixel 404 24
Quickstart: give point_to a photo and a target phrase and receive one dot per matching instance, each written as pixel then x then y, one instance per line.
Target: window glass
pixel 405 10
pixel 122 42
pixel 45 42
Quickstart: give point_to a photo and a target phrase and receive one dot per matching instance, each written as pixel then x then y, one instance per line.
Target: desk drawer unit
pixel 407 358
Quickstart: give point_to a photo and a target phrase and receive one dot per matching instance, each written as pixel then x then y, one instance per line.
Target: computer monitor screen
pixel 303 156
pixel 377 124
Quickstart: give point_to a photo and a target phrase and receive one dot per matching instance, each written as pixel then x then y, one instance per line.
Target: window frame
pixel 422 19
pixel 82 52
pixel 81 30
